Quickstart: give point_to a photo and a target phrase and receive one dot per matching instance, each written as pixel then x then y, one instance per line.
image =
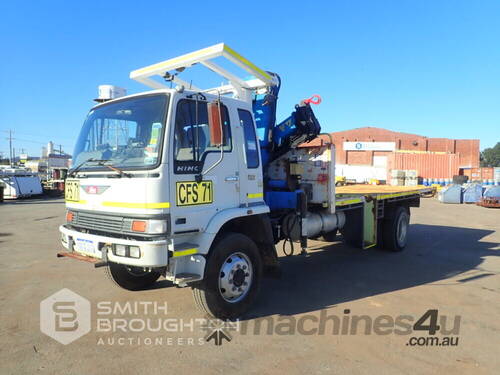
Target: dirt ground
pixel 451 264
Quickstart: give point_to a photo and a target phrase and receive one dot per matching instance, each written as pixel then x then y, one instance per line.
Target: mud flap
pixel 369 225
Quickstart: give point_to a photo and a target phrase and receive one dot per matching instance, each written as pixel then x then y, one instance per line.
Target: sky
pixel 425 67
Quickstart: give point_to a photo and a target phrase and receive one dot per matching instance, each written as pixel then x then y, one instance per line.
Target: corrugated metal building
pixel 385 150
pixel 433 166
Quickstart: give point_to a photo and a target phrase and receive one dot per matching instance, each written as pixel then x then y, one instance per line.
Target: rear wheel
pixel 395 229
pixel 232 278
pixel 131 278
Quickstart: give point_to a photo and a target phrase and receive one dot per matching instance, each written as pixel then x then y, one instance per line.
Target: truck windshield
pixel 126 134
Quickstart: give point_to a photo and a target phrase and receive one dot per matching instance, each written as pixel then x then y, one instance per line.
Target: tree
pixel 490 157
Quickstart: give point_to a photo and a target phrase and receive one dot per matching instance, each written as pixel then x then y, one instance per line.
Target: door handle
pixel 231 178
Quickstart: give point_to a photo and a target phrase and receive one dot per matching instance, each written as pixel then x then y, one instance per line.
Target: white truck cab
pixel 158 174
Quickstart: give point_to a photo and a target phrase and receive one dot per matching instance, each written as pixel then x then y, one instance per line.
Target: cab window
pixel 251 151
pixel 192 136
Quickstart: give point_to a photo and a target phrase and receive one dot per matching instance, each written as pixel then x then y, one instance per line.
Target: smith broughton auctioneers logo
pixel 65 316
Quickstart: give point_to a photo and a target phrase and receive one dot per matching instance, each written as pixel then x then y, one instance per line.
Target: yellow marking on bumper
pixel 136 205
pixel 182 253
pixel 255 195
pixel 246 62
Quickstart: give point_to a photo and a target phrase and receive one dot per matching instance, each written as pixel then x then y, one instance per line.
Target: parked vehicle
pixel 199 184
pixel 19 183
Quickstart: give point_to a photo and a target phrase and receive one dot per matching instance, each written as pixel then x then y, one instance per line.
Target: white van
pixel 19 183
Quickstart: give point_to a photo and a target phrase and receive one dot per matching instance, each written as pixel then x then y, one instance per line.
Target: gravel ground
pixel 451 264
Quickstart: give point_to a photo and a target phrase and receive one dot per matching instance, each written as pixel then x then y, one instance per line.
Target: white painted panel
pixel 361 173
pixel 380 161
pixel 369 146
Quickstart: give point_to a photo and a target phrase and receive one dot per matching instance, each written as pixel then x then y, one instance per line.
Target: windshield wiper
pixel 73 171
pixel 115 169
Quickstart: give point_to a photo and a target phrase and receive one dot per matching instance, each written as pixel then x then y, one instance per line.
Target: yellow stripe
pixel 386 196
pixel 347 201
pixel 246 62
pixel 77 202
pixel 173 61
pixel 182 253
pixel 255 195
pixel 136 205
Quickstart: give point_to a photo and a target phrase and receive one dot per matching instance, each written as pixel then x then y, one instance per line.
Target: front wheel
pixel 131 278
pixel 232 278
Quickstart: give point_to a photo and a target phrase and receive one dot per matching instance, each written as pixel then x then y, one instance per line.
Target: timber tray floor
pixel 364 189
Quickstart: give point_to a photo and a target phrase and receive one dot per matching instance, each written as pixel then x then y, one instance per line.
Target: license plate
pixel 84 246
pixel 190 193
pixel 72 190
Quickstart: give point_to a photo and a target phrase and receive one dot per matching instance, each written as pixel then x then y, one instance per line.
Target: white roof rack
pixel 239 87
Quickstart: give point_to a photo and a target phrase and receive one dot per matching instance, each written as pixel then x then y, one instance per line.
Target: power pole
pixel 10 147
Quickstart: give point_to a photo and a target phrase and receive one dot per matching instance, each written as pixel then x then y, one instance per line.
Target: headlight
pixel 135 252
pixel 149 226
pixel 157 226
pixel 120 250
pixel 127 251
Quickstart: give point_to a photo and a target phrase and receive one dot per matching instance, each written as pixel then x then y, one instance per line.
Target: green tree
pixel 490 157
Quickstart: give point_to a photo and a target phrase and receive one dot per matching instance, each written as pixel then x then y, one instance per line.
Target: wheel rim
pixel 136 271
pixel 235 277
pixel 402 230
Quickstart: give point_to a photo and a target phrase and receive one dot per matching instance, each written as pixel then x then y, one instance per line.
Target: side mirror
pixel 215 123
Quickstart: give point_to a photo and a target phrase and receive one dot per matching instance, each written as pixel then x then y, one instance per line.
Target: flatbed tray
pixel 381 191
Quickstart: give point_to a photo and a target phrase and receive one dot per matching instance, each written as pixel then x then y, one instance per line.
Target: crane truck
pixel 199 185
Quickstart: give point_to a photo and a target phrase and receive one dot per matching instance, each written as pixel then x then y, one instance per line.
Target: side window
pixel 192 136
pixel 252 153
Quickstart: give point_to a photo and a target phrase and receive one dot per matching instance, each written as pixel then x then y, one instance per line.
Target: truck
pixel 200 184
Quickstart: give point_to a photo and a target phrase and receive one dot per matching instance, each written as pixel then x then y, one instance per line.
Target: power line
pixel 44 136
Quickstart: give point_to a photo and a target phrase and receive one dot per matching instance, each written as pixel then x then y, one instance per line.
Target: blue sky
pixel 425 67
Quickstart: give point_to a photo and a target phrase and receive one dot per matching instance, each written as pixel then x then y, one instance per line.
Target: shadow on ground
pixel 38 199
pixel 334 273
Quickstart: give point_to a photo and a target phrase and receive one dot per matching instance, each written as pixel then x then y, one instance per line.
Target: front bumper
pixel 153 253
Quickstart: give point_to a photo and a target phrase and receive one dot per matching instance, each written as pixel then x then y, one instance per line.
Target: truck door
pixel 250 168
pixel 193 203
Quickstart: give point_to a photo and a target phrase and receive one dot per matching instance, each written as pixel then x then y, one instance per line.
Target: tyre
pixel 329 237
pixel 395 229
pixel 232 280
pixel 131 278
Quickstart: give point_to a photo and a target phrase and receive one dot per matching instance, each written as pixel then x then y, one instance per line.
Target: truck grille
pixel 99 222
